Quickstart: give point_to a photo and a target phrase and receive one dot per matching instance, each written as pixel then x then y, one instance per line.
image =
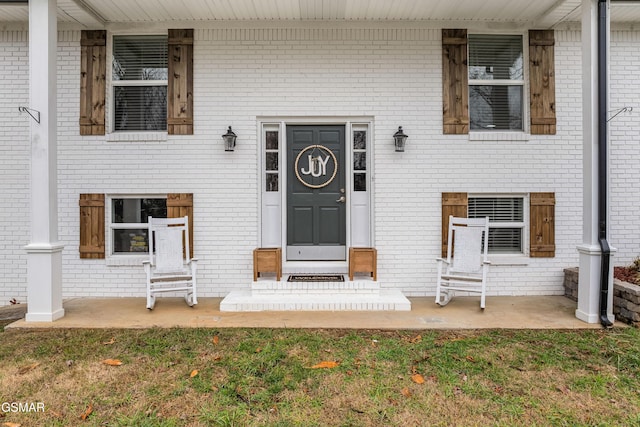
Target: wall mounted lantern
pixel 399 138
pixel 229 140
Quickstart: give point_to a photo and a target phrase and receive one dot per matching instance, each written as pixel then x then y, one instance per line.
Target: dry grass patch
pixel 238 377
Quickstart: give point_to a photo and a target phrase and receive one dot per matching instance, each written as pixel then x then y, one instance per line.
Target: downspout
pixel 602 162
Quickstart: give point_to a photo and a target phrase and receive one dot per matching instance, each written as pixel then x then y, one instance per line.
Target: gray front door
pixel 316 214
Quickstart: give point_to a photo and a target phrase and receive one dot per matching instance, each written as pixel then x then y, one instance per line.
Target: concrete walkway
pixel 536 312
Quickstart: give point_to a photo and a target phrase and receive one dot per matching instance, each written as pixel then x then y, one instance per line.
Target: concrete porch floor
pixel 531 312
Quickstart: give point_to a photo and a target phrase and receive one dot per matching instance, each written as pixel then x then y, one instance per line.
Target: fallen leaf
pixel 112 362
pixel 563 389
pixel 87 412
pixel 215 340
pixel 464 377
pixel 193 373
pixel 416 339
pixel 327 364
pixel 470 359
pixel 111 341
pixel 406 392
pixel 417 378
pixel 28 368
pixel 259 350
pixel 8 424
pixel 69 363
pixel 55 414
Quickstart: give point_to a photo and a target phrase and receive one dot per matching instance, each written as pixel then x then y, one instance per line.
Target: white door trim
pixel 281 123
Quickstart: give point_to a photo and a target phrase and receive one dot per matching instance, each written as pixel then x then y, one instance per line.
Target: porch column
pixel 44 252
pixel 589 278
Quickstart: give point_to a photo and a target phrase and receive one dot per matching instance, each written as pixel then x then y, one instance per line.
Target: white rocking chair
pixel 466 269
pixel 169 268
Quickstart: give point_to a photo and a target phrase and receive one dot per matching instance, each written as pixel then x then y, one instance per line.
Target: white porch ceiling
pixel 101 13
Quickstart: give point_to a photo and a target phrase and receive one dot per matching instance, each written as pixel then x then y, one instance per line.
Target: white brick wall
pixel 244 73
pixel 15 161
pixel 625 146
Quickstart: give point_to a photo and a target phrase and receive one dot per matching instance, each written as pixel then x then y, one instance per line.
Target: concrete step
pixel 383 300
pixel 356 287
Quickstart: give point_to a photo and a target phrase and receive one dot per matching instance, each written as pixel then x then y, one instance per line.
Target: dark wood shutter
pixel 93 70
pixel 92 226
pixel 455 82
pixel 542 218
pixel 542 82
pixel 179 205
pixel 455 204
pixel 180 83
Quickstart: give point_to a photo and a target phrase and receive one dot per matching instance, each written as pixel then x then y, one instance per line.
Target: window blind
pixel 496 82
pixel 495 57
pixel 140 58
pixel 506 221
pixel 498 209
pixel 139 74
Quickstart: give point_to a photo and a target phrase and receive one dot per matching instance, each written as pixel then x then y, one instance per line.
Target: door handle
pixel 342 199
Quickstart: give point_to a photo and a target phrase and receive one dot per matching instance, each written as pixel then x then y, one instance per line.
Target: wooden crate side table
pixel 267 260
pixel 363 260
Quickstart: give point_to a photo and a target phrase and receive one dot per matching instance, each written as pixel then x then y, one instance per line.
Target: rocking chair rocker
pixel 466 266
pixel 169 268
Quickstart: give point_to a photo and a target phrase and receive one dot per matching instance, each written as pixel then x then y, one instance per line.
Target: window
pixel 510 216
pixel 139 81
pixel 359 160
pixel 506 222
pixel 129 219
pixel 496 82
pixel 271 160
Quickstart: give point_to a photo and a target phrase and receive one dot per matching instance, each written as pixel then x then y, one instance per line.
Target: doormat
pixel 316 278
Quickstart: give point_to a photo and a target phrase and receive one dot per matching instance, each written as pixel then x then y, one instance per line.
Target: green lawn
pixel 239 377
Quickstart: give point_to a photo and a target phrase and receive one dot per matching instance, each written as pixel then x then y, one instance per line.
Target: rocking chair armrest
pixel 443 260
pixel 193 265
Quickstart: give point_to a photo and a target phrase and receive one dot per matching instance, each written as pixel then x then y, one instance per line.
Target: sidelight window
pixel 360 160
